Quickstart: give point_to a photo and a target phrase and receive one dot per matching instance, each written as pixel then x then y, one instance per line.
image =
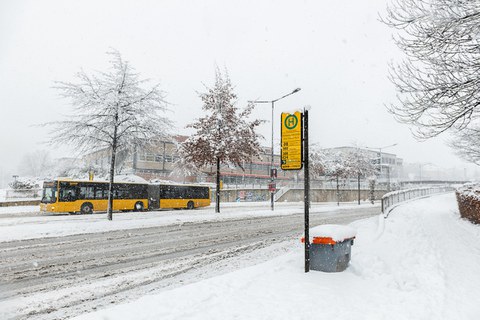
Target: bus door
pixel 153 197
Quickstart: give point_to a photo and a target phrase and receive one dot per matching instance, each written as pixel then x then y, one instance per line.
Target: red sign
pixel 272 187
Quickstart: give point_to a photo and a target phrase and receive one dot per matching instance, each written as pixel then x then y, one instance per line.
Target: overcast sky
pixel 337 52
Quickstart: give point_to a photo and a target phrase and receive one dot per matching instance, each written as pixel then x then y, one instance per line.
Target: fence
pixel 314 184
pixel 391 199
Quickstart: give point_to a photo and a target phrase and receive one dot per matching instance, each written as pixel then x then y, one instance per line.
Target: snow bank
pixel 336 232
pixel 18 209
pixel 423 265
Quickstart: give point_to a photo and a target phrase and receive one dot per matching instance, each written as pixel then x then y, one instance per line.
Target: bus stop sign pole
pixel 294 156
pixel 306 190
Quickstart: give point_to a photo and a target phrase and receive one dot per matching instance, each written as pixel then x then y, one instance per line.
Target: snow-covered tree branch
pixel 224 134
pixel 466 144
pixel 438 82
pixel 113 110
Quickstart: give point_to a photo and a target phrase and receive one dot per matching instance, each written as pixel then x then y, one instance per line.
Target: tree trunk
pixel 112 172
pixel 338 193
pixel 217 197
pixel 359 189
pixel 372 191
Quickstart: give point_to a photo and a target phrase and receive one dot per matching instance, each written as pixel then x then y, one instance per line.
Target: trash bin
pixel 330 248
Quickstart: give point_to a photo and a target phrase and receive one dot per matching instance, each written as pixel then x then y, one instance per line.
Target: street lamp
pixel 380 162
pixel 272 178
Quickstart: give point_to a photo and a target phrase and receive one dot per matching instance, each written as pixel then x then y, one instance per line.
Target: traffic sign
pixel 273 173
pixel 272 187
pixel 291 144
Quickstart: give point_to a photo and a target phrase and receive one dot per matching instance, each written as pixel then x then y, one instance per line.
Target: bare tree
pixel 438 82
pixel 111 110
pixel 371 187
pixel 466 144
pixel 36 163
pixel 223 135
pixel 331 164
pixel 317 162
pixel 359 165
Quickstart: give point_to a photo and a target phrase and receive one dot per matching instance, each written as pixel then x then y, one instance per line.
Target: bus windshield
pixel 49 194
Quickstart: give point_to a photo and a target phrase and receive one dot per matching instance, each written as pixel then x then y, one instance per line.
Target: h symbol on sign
pixel 291 122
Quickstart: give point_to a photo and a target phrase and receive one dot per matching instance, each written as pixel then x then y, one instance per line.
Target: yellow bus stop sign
pixel 291 145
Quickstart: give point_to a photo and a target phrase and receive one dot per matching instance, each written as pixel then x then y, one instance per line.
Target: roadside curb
pixel 20 203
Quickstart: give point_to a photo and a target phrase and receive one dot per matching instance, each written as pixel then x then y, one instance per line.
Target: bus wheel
pixel 190 205
pixel 139 206
pixel 86 208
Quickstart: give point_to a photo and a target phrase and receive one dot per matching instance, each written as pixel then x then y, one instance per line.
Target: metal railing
pixel 280 192
pixel 326 185
pixel 391 199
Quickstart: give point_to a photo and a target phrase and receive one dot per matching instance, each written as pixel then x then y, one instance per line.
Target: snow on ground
pixel 30 227
pixel 17 209
pixel 420 263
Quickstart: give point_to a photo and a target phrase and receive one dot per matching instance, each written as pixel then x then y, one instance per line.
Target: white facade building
pixel 390 167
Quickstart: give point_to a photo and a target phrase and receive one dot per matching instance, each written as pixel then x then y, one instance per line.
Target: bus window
pixel 101 191
pixel 68 193
pixel 49 194
pixel 86 192
pixel 199 193
pixel 98 193
pixel 121 191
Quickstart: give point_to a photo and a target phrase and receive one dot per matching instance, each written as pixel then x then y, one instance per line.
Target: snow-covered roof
pixel 127 178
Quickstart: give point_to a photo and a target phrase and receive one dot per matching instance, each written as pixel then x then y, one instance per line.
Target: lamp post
pixel 380 162
pixel 272 102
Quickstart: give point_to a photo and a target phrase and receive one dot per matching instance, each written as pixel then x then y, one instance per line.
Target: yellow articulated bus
pixel 88 196
pixel 168 196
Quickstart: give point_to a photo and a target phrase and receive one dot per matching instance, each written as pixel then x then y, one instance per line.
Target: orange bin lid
pixel 323 240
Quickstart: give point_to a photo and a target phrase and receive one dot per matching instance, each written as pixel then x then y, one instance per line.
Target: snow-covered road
pixel 50 277
pixel 17 223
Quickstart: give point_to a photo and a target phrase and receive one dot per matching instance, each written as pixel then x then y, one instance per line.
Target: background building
pixel 390 167
pixel 161 161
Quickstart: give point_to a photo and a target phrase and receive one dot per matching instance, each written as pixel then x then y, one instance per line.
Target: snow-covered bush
pixel 468 199
pixel 24 183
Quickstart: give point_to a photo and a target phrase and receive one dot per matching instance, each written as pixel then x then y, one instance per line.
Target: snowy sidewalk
pixel 423 265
